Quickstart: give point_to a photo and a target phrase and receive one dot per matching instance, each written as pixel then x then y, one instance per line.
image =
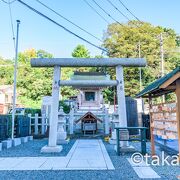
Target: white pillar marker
pixel 121 97
pixel 71 121
pixel 52 144
pixel 121 102
pixel 54 110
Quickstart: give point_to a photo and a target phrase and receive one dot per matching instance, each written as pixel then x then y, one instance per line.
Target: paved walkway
pixel 84 155
pixel 143 170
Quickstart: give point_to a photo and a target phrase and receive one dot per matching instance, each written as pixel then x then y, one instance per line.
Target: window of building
pixel 90 96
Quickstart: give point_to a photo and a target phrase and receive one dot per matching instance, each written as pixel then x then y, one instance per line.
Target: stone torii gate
pixel 58 63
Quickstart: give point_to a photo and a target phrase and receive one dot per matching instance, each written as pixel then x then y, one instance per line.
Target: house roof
pixel 157 86
pixel 90 76
pixel 87 114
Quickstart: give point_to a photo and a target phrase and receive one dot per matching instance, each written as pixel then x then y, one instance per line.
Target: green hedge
pixel 33 111
pixel 66 108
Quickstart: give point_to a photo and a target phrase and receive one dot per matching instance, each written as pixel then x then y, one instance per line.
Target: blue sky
pixel 36 32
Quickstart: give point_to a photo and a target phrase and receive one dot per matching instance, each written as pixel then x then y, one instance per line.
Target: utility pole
pixel 162 54
pixel 15 77
pixel 162 60
pixel 140 70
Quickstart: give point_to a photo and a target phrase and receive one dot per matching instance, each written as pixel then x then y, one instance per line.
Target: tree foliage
pixel 122 41
pixel 81 52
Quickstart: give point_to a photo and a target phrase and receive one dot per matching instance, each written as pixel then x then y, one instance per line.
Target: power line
pixel 122 13
pixel 68 20
pixel 118 10
pixel 130 11
pixel 10 2
pixel 69 31
pixel 95 11
pixel 11 20
pixel 106 13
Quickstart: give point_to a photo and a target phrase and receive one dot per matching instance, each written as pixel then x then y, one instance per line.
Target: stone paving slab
pixel 146 173
pixel 143 170
pixel 84 155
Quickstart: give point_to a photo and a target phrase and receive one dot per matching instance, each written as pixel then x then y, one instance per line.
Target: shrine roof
pixel 156 88
pixel 89 114
pixel 90 76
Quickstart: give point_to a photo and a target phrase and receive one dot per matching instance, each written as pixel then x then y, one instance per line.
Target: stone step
pixel 6 144
pixel 16 141
pixel 24 139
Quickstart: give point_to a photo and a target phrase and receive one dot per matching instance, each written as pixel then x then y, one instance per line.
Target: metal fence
pixel 5 127
pixel 22 124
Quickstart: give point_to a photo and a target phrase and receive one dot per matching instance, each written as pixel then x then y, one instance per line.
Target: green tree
pixel 80 51
pixel 33 83
pixel 122 41
pixel 6 71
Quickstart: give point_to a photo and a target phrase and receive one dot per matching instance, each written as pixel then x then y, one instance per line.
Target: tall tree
pixel 33 83
pixel 122 41
pixel 80 51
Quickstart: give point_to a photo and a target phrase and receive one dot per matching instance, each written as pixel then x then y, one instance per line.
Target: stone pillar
pixel 29 115
pixel 52 143
pixel 43 124
pixel 71 121
pixel 121 97
pixel 122 107
pixel 36 124
pixel 106 122
pixel 54 108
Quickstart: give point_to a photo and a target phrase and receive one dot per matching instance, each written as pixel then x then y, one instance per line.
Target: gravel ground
pixel 33 148
pixel 123 169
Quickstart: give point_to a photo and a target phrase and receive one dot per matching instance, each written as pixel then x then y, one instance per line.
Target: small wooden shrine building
pixel 89 123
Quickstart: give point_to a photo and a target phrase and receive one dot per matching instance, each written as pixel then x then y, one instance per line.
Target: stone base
pixel 112 141
pixel 7 144
pixel 113 135
pixel 24 139
pixel 62 141
pixel 30 138
pixel 0 146
pixel 16 141
pixel 48 149
pixel 125 149
pixel 62 137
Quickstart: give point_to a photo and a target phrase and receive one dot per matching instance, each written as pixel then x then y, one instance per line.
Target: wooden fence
pixel 38 124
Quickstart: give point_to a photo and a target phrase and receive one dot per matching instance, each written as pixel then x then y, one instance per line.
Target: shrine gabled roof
pixel 156 85
pixel 87 114
pixel 90 76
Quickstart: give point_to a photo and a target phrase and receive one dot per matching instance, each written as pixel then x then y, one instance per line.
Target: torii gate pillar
pixel 121 97
pixel 121 101
pixel 52 144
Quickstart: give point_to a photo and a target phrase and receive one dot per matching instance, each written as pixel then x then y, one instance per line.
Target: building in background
pixel 6 98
